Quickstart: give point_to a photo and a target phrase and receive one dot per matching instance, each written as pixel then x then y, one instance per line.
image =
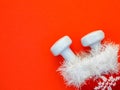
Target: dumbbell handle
pixel 95 45
pixel 67 54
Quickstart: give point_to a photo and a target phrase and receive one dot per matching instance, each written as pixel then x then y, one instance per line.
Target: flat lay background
pixel 28 28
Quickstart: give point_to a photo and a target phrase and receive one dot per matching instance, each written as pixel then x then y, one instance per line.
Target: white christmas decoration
pixel 94 64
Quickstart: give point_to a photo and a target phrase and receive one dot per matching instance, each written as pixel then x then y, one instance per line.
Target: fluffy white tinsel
pixel 88 65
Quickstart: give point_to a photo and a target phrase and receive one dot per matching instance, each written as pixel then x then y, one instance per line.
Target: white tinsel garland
pixel 88 65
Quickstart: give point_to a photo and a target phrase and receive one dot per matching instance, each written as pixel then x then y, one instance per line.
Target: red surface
pixel 28 28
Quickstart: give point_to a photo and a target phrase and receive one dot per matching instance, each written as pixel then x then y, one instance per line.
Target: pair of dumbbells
pixel 61 47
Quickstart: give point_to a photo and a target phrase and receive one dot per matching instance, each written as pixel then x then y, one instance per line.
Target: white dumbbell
pixel 61 47
pixel 93 39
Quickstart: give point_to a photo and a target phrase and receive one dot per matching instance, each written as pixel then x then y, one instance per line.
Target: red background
pixel 28 28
